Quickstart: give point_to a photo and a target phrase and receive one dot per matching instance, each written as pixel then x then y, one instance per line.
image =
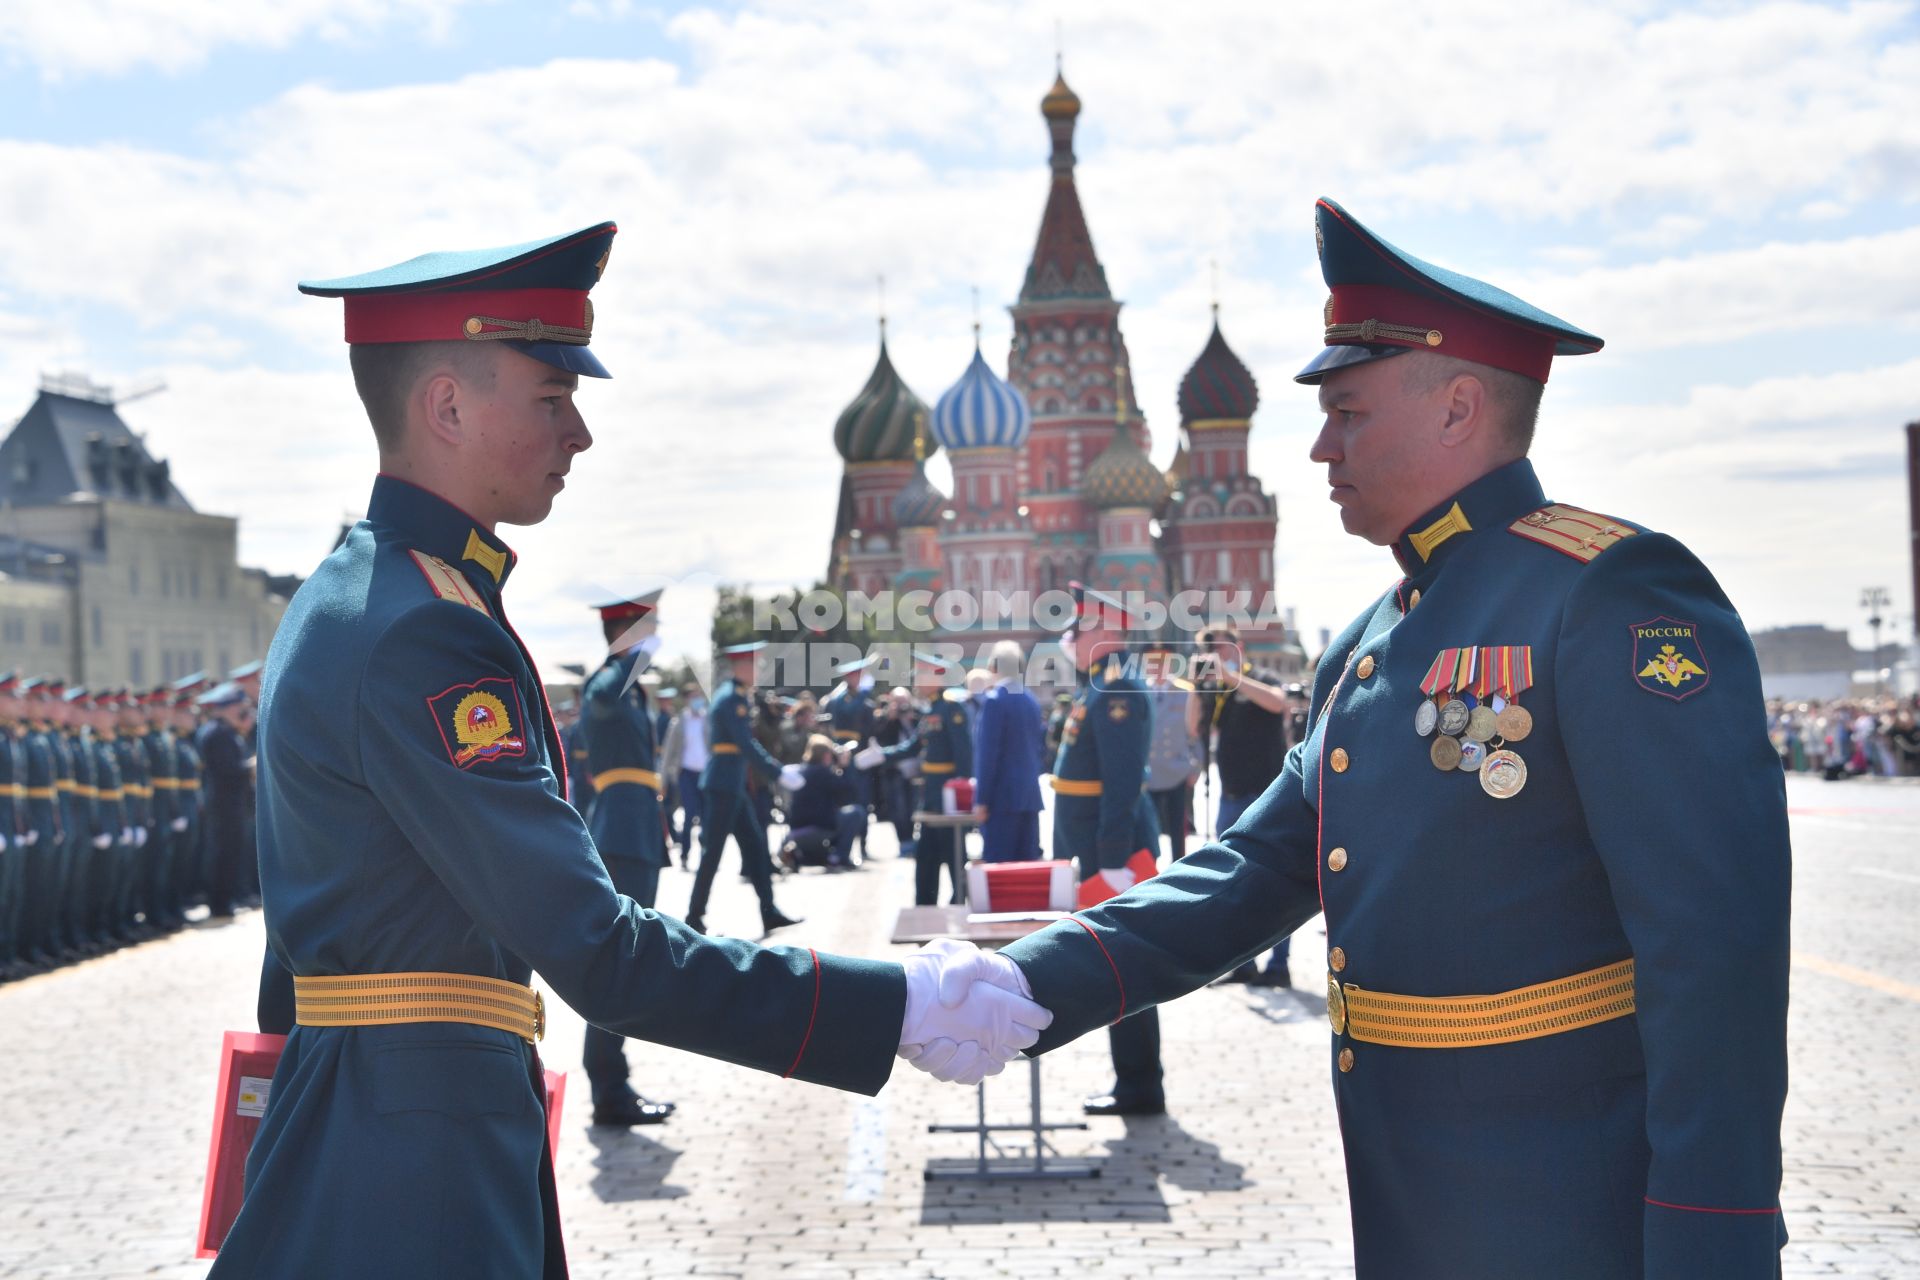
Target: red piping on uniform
pixel 807 1038
pixel 1117 981
pixel 1694 1208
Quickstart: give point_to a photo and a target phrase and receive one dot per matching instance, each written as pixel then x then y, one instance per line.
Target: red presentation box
pixel 247 1062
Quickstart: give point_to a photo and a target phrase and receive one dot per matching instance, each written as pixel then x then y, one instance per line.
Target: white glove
pixel 140 839
pixel 792 777
pixel 969 1012
pixel 1119 879
pixel 126 835
pixel 869 757
pixel 104 840
pixel 3 844
pixel 30 839
pixel 179 824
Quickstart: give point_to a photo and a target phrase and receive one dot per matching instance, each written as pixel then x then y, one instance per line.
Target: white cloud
pixel 106 37
pixel 806 149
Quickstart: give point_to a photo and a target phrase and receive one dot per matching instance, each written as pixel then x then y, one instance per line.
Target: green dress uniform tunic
pixel 943 741
pixel 1102 816
pixel 412 819
pixel 625 821
pixel 1648 828
pixel 725 808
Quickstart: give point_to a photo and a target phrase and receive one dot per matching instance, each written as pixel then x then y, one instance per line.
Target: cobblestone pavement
pixel 105 1128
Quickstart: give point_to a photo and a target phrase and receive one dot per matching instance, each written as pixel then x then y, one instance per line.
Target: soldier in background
pixel 13 850
pixel 626 819
pixel 222 744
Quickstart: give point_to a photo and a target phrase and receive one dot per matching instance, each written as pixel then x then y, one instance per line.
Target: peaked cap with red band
pixel 1386 302
pixel 629 609
pixel 1098 606
pixel 531 296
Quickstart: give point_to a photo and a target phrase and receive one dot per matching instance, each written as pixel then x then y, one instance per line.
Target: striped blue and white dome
pixel 981 411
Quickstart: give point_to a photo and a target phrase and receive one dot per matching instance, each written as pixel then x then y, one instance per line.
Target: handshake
pixel 969 1012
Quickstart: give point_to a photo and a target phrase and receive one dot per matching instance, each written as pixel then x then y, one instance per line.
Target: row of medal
pixel 1472 712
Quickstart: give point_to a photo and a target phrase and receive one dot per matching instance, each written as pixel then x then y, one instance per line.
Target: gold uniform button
pixel 1346 1059
pixel 1365 668
pixel 1339 760
pixel 1414 602
pixel 1337 860
pixel 473 326
pixel 1337 959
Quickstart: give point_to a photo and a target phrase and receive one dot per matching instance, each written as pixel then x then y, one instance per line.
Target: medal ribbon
pixel 1436 674
pixel 1464 666
pixel 1512 669
pixel 1489 661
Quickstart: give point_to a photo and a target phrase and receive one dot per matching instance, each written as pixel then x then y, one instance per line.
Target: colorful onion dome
pixel 920 503
pixel 1219 386
pixel 1061 103
pixel 981 411
pixel 879 425
pixel 1123 476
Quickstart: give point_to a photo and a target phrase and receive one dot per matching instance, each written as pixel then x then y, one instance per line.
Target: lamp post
pixel 1874 600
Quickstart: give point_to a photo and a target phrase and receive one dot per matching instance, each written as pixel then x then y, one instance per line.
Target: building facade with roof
pixel 108 576
pixel 1051 473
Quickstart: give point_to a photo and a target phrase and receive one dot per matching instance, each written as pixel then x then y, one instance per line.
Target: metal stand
pixel 960 824
pixel 995 1161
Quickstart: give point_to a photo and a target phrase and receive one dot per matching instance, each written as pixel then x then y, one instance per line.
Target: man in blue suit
pixel 1538 806
pixel 1008 738
pixel 625 817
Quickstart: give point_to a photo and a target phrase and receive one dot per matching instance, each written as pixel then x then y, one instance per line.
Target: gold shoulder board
pixel 448 582
pixel 1571 531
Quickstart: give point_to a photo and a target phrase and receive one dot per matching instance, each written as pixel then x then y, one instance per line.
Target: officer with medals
pixel 416 849
pixel 943 743
pixel 1103 817
pixel 625 817
pixel 727 811
pixel 1538 804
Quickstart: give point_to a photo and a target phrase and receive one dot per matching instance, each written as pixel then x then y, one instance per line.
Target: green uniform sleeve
pixel 1208 912
pixel 1658 694
pixel 519 860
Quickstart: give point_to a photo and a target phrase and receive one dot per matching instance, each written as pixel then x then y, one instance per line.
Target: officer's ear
pixel 442 401
pixel 1465 405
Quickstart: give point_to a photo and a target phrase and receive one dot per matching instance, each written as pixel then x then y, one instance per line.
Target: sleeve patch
pixel 1668 658
pixel 1571 530
pixel 478 722
pixel 448 582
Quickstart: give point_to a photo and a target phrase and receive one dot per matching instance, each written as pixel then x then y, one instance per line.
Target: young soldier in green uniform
pixel 44 839
pixel 726 809
pixel 1538 805
pixel 13 851
pixel 624 818
pixel 943 742
pixel 418 858
pixel 137 791
pixel 1103 817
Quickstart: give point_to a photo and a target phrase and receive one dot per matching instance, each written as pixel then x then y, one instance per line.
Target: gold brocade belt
pixel 381 999
pixel 613 777
pixel 725 749
pixel 1454 1022
pixel 1077 786
pixel 937 766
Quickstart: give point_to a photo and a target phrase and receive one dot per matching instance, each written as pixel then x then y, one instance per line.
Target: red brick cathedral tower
pixel 1218 528
pixel 1066 345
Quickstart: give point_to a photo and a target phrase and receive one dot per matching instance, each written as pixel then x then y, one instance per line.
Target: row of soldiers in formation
pixel 119 810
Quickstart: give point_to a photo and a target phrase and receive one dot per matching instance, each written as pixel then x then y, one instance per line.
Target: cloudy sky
pixel 1727 193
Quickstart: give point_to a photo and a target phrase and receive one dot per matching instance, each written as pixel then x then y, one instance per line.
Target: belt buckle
pixel 1336 1005
pixel 539 1017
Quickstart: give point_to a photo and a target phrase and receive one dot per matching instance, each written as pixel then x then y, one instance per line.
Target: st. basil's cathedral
pixel 1052 480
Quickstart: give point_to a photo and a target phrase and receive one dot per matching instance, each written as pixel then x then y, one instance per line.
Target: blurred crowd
pixel 1859 737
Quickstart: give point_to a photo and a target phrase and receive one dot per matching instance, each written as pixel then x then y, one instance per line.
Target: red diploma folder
pixel 1094 890
pixel 247 1062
